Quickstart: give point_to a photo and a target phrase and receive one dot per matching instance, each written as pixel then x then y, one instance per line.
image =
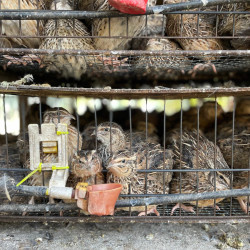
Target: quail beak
pixel 115 170
pixel 72 117
pixel 93 134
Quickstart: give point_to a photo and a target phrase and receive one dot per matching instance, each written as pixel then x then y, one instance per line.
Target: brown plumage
pixel 155 26
pixel 206 29
pixel 151 130
pixel 87 167
pixel 52 116
pixel 197 156
pixel 241 149
pixel 118 140
pixel 238 23
pixel 67 65
pixel 123 167
pixel 5 43
pixel 162 61
pixel 116 26
pixel 206 118
pixel 28 27
pixel 89 142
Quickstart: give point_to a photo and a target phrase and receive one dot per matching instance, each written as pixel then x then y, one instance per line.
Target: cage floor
pixel 164 65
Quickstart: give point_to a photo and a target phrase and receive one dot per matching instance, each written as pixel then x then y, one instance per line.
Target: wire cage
pixel 200 116
pixel 183 145
pixel 174 41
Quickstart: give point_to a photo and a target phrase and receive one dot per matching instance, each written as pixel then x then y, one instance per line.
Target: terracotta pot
pixel 102 198
pixel 130 6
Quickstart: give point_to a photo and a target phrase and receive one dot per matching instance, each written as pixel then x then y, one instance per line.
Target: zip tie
pixel 59 168
pixel 30 174
pixel 62 133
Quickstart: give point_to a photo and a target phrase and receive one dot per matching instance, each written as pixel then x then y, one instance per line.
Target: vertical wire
pixel 130 127
pixel 215 150
pixel 5 131
pixel 40 129
pixel 198 23
pixel 163 26
pixel 40 113
pixel 110 124
pixel 95 127
pixel 146 177
pixel 248 183
pixel 23 122
pixel 234 20
pixel 109 23
pixel 38 21
pixel 58 112
pixel 164 152
pixel 130 133
pixel 232 160
pixel 217 20
pixel 78 126
pixel 1 24
pixel 181 24
pixel 181 120
pixel 20 22
pixel 197 155
pixel 127 18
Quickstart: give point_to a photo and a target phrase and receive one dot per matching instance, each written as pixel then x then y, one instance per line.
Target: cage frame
pixel 160 93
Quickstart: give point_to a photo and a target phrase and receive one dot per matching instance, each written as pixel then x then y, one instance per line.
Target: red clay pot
pixel 130 6
pixel 102 198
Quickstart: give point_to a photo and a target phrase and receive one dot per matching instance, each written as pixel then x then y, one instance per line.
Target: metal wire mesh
pixel 158 43
pixel 214 129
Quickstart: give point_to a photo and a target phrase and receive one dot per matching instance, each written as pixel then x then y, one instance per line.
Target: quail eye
pixel 123 161
pixel 106 129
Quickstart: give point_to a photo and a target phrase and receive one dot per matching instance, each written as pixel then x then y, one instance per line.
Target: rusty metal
pixel 164 93
pixel 153 200
pixel 161 9
pixel 128 219
pixel 219 53
pixel 19 208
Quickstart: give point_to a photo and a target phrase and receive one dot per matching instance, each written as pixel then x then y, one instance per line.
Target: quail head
pixel 56 115
pixel 87 167
pixel 197 153
pixel 112 139
pixel 123 167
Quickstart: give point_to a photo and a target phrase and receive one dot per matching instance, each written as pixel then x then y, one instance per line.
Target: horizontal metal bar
pixel 191 170
pixel 19 208
pixel 148 170
pixel 175 198
pixel 135 37
pixel 218 53
pixel 167 93
pixel 14 169
pixel 161 9
pixel 129 219
pixel 154 200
